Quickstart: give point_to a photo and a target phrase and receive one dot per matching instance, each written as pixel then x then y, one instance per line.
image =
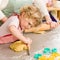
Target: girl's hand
pixel 28 42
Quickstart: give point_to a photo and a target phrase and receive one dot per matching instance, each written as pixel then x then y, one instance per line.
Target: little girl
pixel 11 30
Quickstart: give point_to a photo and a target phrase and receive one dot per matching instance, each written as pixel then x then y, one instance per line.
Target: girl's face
pixel 27 23
pixel 31 22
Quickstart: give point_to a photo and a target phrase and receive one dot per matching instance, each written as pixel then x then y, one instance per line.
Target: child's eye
pixel 30 24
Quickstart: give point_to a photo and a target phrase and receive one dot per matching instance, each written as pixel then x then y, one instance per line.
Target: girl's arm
pixel 17 33
pixel 41 27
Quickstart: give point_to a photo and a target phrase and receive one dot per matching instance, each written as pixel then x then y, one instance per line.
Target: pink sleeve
pixel 14 21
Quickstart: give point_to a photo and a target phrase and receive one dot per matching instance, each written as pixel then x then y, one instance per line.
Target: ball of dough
pixel 18 46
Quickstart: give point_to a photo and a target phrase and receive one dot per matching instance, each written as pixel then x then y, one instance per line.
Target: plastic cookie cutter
pixel 36 56
pixel 54 50
pixel 46 51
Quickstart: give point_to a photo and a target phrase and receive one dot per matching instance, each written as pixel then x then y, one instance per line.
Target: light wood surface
pixel 57 11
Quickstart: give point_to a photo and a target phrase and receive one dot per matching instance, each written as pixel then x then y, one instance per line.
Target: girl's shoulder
pixel 13 20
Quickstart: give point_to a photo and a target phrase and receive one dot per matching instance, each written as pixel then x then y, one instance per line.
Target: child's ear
pixel 22 15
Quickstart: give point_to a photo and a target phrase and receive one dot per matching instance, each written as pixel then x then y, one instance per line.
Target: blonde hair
pixel 32 12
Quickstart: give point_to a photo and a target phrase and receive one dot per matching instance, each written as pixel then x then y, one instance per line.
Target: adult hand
pixel 54 24
pixel 51 23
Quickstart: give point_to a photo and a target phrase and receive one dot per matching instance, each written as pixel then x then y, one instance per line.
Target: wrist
pixel 25 40
pixel 47 17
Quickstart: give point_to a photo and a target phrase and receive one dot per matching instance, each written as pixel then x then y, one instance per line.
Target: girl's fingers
pixel 28 46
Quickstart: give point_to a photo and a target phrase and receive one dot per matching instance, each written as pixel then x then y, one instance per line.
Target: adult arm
pixel 3 4
pixel 3 18
pixel 43 9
